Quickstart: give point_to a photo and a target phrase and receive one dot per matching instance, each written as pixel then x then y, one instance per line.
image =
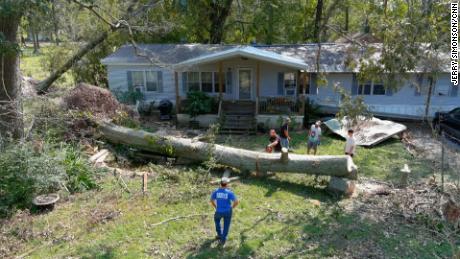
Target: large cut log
pixel 339 166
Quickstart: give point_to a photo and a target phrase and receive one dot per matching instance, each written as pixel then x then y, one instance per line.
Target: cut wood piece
pixel 232 179
pixel 99 157
pixel 245 160
pixel 341 186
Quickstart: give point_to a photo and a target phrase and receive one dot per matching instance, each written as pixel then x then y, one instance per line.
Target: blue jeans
pixel 227 216
pixel 285 142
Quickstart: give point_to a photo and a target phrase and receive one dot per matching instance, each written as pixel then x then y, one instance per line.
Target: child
pixel 350 145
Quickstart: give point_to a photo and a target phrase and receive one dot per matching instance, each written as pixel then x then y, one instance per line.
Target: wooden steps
pixel 238 117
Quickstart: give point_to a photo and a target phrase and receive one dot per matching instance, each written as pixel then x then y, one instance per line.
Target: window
pixel 371 88
pixel 137 80
pixel 378 89
pixel 151 81
pixel 290 83
pixel 144 80
pixel 193 81
pixel 206 82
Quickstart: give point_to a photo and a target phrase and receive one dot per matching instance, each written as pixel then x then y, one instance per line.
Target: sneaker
pixel 217 238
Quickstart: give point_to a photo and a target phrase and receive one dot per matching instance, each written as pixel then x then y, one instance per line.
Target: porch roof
pixel 244 51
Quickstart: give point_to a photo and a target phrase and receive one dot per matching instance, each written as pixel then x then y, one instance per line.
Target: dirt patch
pixel 420 141
pixel 98 216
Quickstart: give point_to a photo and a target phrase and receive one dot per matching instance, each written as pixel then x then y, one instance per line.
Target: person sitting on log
pixel 275 142
pixel 224 201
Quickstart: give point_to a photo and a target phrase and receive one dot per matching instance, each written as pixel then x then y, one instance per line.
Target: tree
pixel 11 123
pixel 318 17
pixel 219 11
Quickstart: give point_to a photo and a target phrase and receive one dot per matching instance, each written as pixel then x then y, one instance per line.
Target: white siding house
pixel 266 75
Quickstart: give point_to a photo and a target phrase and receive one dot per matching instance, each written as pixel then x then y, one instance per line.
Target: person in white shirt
pixel 350 145
pixel 314 137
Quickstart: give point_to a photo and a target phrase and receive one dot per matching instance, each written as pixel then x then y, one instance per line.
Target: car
pixel 449 123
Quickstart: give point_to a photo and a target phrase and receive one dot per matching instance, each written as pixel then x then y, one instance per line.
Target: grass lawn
pixel 382 162
pixel 32 65
pixel 284 216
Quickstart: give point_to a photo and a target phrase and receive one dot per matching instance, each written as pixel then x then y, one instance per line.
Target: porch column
pixel 221 80
pixel 257 86
pixel 176 84
pixel 304 87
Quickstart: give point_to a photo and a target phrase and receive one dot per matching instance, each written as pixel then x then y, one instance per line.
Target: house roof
pixel 335 57
pixel 245 51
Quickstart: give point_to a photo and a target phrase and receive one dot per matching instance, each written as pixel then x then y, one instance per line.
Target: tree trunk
pixel 245 160
pixel 55 22
pixel 11 123
pixel 317 26
pixel 428 97
pixel 347 19
pixel 45 84
pixel 219 13
pixel 34 39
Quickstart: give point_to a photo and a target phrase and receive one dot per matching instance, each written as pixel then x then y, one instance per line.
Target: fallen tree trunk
pixel 339 166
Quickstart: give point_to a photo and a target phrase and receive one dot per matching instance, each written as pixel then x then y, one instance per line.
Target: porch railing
pixel 280 105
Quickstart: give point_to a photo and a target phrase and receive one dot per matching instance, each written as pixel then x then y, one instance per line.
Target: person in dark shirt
pixel 224 201
pixel 275 142
pixel 285 138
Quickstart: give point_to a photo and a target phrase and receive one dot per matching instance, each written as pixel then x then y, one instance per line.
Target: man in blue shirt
pixel 223 200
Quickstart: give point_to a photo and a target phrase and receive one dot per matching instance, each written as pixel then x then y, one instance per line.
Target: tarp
pixel 369 132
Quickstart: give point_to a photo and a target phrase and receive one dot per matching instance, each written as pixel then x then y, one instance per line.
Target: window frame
pixel 214 81
pixel 294 88
pixel 144 76
pixel 371 84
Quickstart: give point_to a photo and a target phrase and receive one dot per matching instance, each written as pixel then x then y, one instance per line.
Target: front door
pixel 244 83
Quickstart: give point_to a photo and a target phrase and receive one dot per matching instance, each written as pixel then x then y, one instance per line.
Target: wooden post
pixel 304 87
pixel 221 80
pixel 144 183
pixel 176 83
pixel 257 86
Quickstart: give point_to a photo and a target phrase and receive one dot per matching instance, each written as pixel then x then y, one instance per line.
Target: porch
pixel 273 83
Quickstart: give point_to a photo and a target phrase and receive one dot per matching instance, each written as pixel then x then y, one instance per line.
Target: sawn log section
pixel 339 166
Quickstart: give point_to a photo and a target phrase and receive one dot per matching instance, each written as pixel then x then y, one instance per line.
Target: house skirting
pixel 271 121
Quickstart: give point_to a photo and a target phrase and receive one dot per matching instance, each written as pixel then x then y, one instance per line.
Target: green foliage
pixel 353 108
pixel 31 168
pixel 80 175
pixel 122 118
pixel 129 97
pixel 198 103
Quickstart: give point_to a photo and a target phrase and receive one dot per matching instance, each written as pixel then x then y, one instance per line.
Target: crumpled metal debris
pixel 368 132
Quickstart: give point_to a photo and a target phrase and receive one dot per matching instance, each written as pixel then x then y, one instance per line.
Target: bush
pixel 122 118
pixel 129 97
pixel 198 103
pixel 32 168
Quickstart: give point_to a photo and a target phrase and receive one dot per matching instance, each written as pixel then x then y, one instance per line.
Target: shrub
pixel 355 109
pixel 122 118
pixel 129 97
pixel 198 103
pixel 31 168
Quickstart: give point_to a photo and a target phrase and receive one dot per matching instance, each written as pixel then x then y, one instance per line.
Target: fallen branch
pixel 179 218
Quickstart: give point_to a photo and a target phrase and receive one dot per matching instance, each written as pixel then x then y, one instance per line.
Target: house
pixel 269 79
